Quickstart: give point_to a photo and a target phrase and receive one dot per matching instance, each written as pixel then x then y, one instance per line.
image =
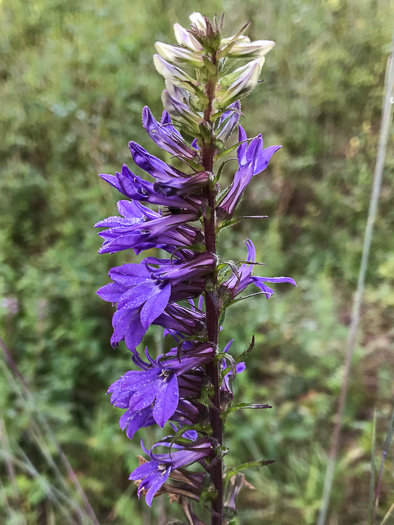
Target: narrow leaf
pixel 372 474
pixel 248 466
pixel 388 514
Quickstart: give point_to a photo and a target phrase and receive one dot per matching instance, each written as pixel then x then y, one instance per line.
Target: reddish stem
pixel 212 314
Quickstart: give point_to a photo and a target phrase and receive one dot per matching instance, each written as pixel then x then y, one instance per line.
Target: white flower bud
pixel 184 38
pixel 179 55
pixel 174 74
pixel 240 82
pixel 240 39
pixel 255 49
pixel 199 21
pixel 181 113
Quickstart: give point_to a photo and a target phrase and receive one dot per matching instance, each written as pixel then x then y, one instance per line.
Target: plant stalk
pixel 211 306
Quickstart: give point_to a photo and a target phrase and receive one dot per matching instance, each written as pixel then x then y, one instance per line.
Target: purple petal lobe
pixel 166 401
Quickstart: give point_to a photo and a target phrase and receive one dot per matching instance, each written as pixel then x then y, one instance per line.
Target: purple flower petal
pixel 166 401
pixel 156 485
pixel 155 305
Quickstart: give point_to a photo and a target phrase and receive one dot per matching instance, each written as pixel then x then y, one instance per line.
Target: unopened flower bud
pixel 206 32
pixel 174 74
pixel 179 55
pixel 180 112
pixel 240 82
pixel 198 21
pixel 256 49
pixel 184 38
pixel 240 39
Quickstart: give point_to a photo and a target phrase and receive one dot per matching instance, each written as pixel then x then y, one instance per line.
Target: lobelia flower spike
pixel 189 386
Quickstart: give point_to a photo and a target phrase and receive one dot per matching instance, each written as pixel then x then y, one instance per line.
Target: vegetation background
pixel 74 77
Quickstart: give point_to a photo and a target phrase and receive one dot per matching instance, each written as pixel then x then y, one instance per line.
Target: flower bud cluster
pixel 173 212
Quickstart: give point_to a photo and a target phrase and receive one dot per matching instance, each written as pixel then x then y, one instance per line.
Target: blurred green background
pixel 74 77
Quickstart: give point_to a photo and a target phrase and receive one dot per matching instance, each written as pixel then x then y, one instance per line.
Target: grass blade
pixel 371 500
pixel 388 514
pixel 386 446
pixel 356 312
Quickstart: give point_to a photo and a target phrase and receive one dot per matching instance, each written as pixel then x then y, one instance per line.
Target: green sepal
pixel 209 65
pixel 194 165
pixel 229 150
pixel 205 133
pixel 232 367
pixel 231 222
pixel 246 297
pixel 247 466
pixel 196 247
pixel 177 437
pixel 219 173
pixel 230 44
pixel 201 96
pixel 226 274
pixel 246 406
pixel 246 353
pixel 218 114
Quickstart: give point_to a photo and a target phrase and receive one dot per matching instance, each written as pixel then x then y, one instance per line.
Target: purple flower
pixel 188 412
pixel 141 228
pixel 153 474
pixel 152 165
pixel 252 159
pixel 156 384
pixel 227 205
pixel 253 153
pixel 179 271
pixel 227 382
pixel 165 135
pixel 238 282
pixel 140 300
pixel 142 292
pixel 228 121
pixel 182 321
pixel 183 186
pixel 175 102
pixel 139 189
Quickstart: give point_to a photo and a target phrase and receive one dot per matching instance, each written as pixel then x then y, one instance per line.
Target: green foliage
pixel 74 77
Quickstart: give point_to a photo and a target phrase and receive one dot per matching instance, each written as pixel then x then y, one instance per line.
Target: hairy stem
pixel 212 312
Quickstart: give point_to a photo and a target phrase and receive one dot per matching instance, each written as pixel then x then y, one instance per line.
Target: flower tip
pixel 133 147
pixel 198 20
pixel 157 60
pixel 146 112
pixel 160 47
